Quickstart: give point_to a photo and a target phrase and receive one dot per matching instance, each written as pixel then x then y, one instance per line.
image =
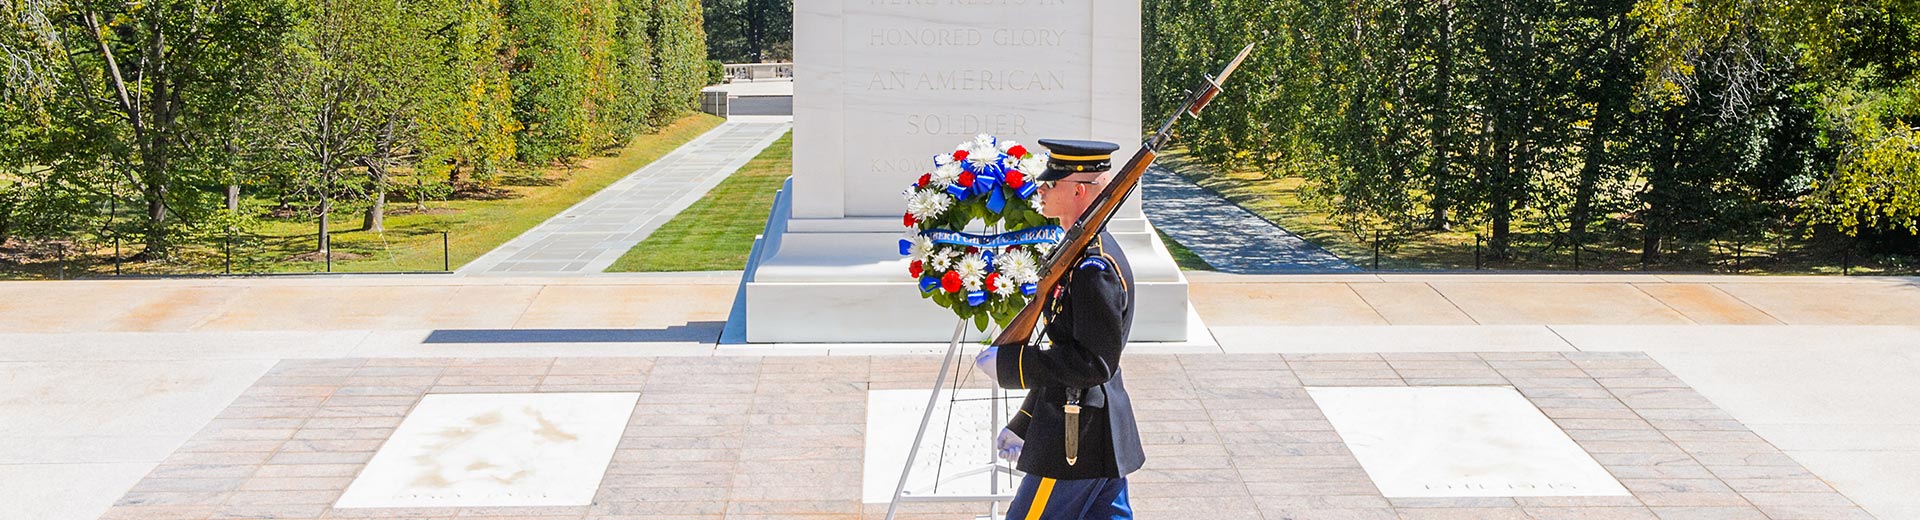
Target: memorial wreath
pixel 981 277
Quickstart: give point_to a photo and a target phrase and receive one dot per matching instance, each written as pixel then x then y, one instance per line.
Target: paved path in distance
pixel 589 236
pixel 1227 236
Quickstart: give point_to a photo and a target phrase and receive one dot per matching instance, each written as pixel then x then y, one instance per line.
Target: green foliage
pixel 139 99
pixel 549 96
pixel 633 55
pixel 679 60
pixel 467 122
pixel 136 120
pixel 1660 122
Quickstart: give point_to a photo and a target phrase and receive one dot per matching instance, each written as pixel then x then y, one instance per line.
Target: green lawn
pixel 412 240
pixel 716 233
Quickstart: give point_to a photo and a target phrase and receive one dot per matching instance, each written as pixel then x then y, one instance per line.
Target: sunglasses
pixel 1049 184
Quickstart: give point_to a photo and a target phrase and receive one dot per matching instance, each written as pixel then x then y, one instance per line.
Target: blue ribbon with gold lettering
pixel 1048 234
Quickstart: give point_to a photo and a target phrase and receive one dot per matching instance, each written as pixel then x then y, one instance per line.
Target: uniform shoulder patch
pixel 1095 262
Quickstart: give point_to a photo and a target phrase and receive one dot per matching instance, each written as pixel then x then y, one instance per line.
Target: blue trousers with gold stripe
pixel 1050 499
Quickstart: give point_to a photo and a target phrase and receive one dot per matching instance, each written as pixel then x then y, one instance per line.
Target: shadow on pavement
pixel 695 331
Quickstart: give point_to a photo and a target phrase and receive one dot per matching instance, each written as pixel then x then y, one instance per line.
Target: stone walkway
pixel 1228 237
pixel 591 235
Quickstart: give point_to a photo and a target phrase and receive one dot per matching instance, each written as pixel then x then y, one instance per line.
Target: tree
pixel 549 96
pixel 347 89
pixel 748 31
pixel 633 64
pixel 144 90
pixel 468 125
pixel 679 58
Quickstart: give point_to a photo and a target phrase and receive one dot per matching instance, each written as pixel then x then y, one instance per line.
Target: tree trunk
pixel 326 208
pixel 233 197
pixel 754 25
pixel 1659 188
pixel 1501 198
pixel 377 214
pixel 1605 116
pixel 1502 133
pixel 1440 171
pixel 377 169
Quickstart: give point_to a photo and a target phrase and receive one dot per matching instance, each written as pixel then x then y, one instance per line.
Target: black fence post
pixel 1576 254
pixel 111 212
pixel 1376 250
pixel 446 256
pixel 63 261
pixel 329 253
pixel 229 251
pixel 1846 259
pixel 1476 251
pixel 1737 260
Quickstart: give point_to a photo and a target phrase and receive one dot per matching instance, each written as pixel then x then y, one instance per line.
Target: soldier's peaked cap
pixel 1070 156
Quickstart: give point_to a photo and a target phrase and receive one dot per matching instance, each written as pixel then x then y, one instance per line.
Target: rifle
pixel 1060 261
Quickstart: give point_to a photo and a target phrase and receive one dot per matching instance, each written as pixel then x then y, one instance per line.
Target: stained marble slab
pixel 1469 441
pixel 476 450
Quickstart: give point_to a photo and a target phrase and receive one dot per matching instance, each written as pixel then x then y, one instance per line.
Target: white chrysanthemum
pixel 982 154
pixel 972 269
pixel 920 246
pixel 984 142
pixel 1034 164
pixel 942 159
pixel 942 259
pixel 945 175
pixel 1018 267
pixel 1038 202
pixel 1043 247
pixel 1008 145
pixel 1006 287
pixel 929 204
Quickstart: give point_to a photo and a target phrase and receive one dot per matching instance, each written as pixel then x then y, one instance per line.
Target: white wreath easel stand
pixel 992 470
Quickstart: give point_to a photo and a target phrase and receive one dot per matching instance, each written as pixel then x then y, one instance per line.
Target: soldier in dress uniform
pixel 1087 323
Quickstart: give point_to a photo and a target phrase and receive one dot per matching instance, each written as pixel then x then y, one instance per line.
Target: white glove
pixel 1009 445
pixel 988 362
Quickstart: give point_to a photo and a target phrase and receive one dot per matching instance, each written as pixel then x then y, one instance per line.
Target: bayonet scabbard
pixel 1072 410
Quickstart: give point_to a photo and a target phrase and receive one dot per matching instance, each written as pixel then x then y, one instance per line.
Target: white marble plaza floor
pixel 186 401
pixel 1235 436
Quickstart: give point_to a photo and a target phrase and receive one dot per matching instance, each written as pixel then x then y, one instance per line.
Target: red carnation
pixel 991 279
pixel 1015 179
pixel 915 269
pixel 1017 152
pixel 925 178
pixel 950 282
pixel 972 250
pixel 966 179
pixel 908 220
pixel 959 155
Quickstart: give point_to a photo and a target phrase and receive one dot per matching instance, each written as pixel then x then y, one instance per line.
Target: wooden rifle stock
pixel 1023 327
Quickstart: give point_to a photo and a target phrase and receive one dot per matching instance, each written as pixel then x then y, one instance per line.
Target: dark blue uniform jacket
pixel 1088 327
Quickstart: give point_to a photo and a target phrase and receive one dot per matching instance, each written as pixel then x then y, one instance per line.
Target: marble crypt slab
pixel 1460 441
pixel 959 441
pixel 471 450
